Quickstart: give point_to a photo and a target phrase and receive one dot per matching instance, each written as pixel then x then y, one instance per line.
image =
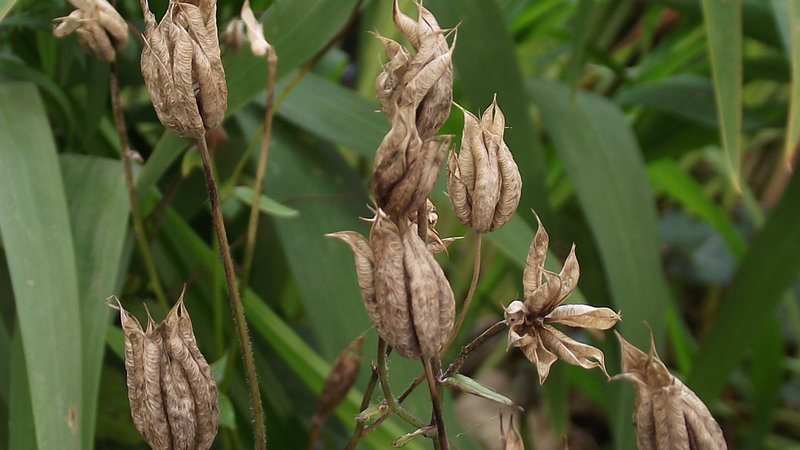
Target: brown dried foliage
pixel 529 321
pixel 172 393
pixel 483 181
pixel 182 68
pixel 666 413
pixel 405 292
pixel 100 28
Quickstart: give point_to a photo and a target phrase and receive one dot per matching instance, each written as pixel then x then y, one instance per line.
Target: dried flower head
pixel 483 181
pixel 405 292
pixel 406 166
pixel 171 390
pixel 529 321
pixel 182 68
pixel 100 28
pixel 667 414
pixel 422 82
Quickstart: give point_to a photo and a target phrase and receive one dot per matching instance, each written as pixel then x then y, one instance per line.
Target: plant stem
pixel 467 349
pixel 126 154
pixel 383 376
pixel 361 421
pixel 437 404
pixel 470 294
pixel 260 431
pixel 252 227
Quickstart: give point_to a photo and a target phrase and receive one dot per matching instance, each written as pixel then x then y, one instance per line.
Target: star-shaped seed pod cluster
pixel 666 413
pixel 529 320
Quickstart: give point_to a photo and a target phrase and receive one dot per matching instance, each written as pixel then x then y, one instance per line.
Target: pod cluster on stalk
pixel 405 291
pixel 182 68
pixel 666 413
pixel 100 28
pixel 415 91
pixel 172 393
pixel 483 180
pixel 529 320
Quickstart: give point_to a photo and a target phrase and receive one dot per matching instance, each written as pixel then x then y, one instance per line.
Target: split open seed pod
pixel 100 29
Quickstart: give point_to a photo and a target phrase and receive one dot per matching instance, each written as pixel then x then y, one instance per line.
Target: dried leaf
pixel 583 316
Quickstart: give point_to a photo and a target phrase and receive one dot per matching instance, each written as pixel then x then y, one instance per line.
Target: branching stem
pixel 383 376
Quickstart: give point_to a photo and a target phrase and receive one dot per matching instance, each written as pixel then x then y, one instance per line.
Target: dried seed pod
pixel 414 306
pixel 171 390
pixel 529 321
pixel 667 414
pixel 343 374
pixel 510 437
pixel 483 180
pixel 182 68
pixel 100 28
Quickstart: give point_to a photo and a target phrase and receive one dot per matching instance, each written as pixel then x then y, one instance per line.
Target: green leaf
pixel 98 206
pixel 580 27
pixel 266 205
pixel 5 7
pixel 669 178
pixel 767 271
pixel 466 384
pixel 297 30
pixel 38 246
pixel 792 125
pixel 723 23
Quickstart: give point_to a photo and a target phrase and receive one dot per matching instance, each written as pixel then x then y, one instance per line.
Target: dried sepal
pixel 182 68
pixel 667 414
pixel 340 379
pixel 510 438
pixel 171 390
pixel 100 28
pixel 483 180
pixel 529 320
pixel 255 32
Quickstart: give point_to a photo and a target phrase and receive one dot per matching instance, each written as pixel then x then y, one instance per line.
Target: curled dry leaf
pixel 172 393
pixel 100 28
pixel 483 181
pixel 528 321
pixel 405 292
pixel 666 413
pixel 182 68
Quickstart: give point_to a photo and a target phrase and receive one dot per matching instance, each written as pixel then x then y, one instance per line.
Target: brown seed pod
pixel 100 28
pixel 667 414
pixel 340 379
pixel 182 68
pixel 171 390
pixel 483 180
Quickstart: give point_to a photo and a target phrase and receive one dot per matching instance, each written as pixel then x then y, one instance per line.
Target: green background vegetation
pixel 652 134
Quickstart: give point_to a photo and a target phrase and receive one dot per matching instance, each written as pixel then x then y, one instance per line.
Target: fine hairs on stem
pixel 260 431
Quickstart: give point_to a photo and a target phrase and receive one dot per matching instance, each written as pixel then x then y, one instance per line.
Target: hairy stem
pixel 138 227
pixel 361 421
pixel 252 226
pixel 470 294
pixel 260 431
pixel 436 401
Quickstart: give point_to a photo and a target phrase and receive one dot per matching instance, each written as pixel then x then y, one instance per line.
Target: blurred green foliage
pixel 630 121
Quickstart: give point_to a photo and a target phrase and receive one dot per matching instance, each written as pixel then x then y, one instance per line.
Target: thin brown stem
pixel 252 227
pixel 469 348
pixel 138 227
pixel 260 431
pixel 470 294
pixel 437 404
pixel 361 421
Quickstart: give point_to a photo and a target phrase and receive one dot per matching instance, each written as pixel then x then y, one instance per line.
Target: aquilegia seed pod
pixel 483 181
pixel 666 413
pixel 100 28
pixel 405 292
pixel 182 68
pixel 172 393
